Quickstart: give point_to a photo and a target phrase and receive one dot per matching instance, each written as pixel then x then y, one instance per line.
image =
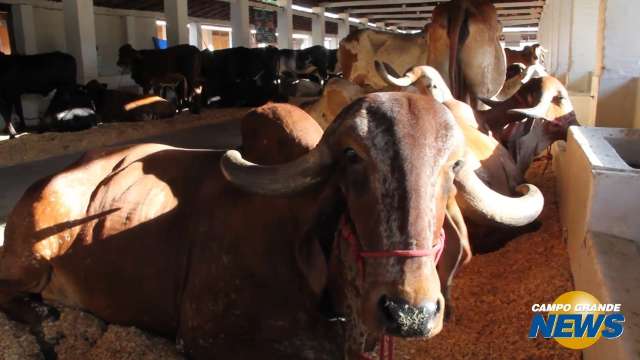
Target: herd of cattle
pixel 340 223
pixel 190 78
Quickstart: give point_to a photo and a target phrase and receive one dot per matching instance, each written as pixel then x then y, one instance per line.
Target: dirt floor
pixel 491 300
pixel 32 146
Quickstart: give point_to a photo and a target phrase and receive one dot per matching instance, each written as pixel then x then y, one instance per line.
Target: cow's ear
pixel 456 249
pixel 313 251
pixel 313 264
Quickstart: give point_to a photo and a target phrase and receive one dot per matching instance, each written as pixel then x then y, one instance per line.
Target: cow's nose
pixel 405 320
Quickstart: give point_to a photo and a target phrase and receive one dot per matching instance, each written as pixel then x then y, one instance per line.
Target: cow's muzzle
pixel 405 320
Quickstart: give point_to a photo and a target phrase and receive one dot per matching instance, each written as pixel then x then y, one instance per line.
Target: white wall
pixel 594 40
pixel 110 31
pixel 145 31
pixel 110 36
pixel 618 104
pixel 49 29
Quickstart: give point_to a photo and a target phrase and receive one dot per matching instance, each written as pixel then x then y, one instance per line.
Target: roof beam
pixel 519 4
pixel 400 16
pixel 375 2
pixel 412 9
pixel 391 9
pixel 428 16
pixel 395 2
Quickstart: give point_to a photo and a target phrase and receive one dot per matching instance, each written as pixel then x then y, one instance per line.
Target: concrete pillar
pixel 240 26
pixel 380 26
pixel 130 27
pixel 318 26
pixel 80 30
pixel 343 26
pixel 177 14
pixel 285 24
pixel 24 29
pixel 195 35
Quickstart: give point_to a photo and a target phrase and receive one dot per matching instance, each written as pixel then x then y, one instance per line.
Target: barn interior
pixel 587 237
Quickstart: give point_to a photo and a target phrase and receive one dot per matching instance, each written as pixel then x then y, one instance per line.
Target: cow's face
pixel 397 157
pixel 384 171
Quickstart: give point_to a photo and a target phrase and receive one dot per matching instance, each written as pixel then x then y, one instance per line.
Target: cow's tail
pixel 456 21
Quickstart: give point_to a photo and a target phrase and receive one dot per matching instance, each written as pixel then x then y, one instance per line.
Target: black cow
pixel 70 109
pixel 38 74
pixel 317 58
pixel 147 65
pixel 241 76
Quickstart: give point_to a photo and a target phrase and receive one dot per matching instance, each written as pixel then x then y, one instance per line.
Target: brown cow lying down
pixel 116 106
pixel 235 259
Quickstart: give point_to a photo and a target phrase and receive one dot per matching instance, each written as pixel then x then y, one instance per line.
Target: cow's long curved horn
pixel 538 111
pixel 408 79
pixel 496 207
pixel 282 179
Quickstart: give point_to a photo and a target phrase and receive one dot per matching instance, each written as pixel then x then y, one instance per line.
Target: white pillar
pixel 195 35
pixel 177 14
pixel 130 26
pixel 80 32
pixel 240 26
pixel 343 26
pixel 285 24
pixel 24 28
pixel 318 26
pixel 380 26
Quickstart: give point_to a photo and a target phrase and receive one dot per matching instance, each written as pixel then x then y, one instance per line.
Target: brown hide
pixel 156 237
pixel 337 94
pixel 290 134
pixel 361 48
pixel 463 44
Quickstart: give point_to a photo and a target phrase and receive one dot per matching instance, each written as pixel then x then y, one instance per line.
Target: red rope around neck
pixel 386 342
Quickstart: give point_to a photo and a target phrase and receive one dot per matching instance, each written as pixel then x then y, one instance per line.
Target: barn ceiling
pixel 416 13
pixel 405 14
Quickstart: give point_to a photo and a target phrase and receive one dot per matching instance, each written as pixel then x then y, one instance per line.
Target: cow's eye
pixel 351 155
pixel 457 166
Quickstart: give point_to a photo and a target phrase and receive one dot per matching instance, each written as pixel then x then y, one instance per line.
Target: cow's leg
pixel 23 268
pixel 20 113
pixel 8 126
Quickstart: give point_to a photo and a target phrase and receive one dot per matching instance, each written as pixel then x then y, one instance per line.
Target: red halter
pixel 386 342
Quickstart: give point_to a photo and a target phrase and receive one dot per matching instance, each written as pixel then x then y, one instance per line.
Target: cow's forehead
pixel 409 138
pixel 415 125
